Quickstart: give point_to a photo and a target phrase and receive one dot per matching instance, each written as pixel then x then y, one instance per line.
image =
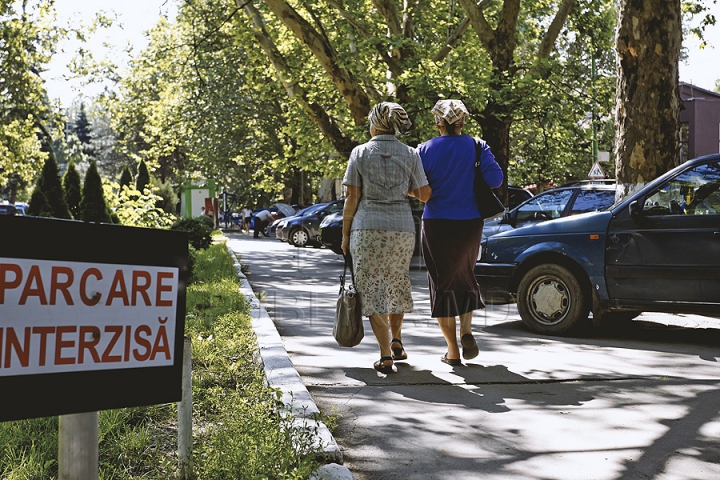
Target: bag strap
pixel 478 155
pixel 348 264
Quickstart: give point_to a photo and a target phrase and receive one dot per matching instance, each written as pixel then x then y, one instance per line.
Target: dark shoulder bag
pixel 348 329
pixel 488 203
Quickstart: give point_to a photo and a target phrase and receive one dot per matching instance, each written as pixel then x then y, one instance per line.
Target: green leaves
pixel 26 42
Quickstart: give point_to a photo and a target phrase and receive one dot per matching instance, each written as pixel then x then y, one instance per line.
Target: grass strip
pixel 239 431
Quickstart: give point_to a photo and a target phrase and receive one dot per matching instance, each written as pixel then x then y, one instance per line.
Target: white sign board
pixel 61 316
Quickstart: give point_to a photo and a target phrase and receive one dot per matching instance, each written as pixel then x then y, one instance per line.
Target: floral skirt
pixel 381 261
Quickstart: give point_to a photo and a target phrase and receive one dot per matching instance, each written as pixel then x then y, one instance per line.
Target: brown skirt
pixel 450 250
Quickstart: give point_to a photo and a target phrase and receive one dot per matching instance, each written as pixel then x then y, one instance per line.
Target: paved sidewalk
pixel 641 403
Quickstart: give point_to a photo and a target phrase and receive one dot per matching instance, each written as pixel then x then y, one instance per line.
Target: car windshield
pixel 546 206
pixel 311 209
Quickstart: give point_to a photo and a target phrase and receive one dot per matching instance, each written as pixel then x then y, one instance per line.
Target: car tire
pixel 298 238
pixel 551 300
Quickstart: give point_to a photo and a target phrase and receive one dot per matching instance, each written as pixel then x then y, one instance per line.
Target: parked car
pixel 569 199
pixel 7 209
pixel 330 233
pixel 517 195
pixel 271 230
pixel 21 208
pixel 656 250
pixel 302 230
pixel 277 211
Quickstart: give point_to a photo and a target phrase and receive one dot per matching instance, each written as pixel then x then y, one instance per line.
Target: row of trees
pixel 67 199
pixel 202 98
pixel 540 80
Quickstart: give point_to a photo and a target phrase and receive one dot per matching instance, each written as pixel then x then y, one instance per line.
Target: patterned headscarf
pixel 389 117
pixel 449 110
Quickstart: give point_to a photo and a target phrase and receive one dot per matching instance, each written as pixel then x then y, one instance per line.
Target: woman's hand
pixel 352 199
pixel 345 246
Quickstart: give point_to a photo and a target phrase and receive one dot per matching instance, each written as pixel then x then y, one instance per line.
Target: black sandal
pixel 454 362
pixel 469 346
pixel 384 368
pixel 398 353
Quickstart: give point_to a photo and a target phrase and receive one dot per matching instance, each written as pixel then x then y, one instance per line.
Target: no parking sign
pixel 91 316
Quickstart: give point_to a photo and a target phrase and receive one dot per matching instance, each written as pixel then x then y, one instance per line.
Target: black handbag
pixel 348 328
pixel 488 203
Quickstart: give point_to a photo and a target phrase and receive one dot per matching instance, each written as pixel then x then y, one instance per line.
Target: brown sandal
pixel 398 353
pixel 384 368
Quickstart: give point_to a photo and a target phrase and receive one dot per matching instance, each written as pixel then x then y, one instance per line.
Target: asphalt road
pixel 640 402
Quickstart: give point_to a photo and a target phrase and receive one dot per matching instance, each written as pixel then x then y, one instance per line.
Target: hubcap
pixel 300 238
pixel 550 300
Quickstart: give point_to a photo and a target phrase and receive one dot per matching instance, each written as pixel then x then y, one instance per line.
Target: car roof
pixel 595 181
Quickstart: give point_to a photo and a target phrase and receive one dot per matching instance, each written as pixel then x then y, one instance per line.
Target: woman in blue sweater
pixel 452 225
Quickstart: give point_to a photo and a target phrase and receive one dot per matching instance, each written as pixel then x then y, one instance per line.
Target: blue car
pixel 302 230
pixel 657 250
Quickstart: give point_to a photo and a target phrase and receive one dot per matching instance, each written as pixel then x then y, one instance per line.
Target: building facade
pixel 699 122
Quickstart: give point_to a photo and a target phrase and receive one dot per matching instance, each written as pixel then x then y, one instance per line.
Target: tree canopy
pixel 27 120
pixel 201 95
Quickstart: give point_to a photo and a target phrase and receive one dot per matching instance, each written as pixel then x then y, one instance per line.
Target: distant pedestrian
pixel 378 227
pixel 262 218
pixel 245 215
pixel 452 226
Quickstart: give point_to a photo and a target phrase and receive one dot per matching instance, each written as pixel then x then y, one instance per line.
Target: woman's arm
pixel 423 193
pixel 492 172
pixel 352 199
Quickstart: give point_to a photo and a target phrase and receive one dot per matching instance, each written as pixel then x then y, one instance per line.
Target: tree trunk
pixel 347 85
pixel 648 101
pixel 496 122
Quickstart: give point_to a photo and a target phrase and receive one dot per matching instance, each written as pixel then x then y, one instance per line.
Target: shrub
pixel 49 184
pixel 125 177
pixel 143 177
pixel 39 206
pixel 200 233
pixel 206 220
pixel 168 198
pixel 71 184
pixel 139 210
pixel 93 207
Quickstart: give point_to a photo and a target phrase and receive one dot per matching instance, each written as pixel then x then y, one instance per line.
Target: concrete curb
pixel 280 373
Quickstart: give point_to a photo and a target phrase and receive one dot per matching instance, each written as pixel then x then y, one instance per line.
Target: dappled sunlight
pixel 638 401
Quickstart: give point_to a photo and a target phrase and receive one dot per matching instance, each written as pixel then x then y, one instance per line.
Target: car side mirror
pixel 634 208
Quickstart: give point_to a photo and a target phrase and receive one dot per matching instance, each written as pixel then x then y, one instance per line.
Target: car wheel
pixel 551 299
pixel 298 238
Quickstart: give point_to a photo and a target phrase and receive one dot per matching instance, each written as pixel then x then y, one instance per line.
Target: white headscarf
pixel 389 117
pixel 449 110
